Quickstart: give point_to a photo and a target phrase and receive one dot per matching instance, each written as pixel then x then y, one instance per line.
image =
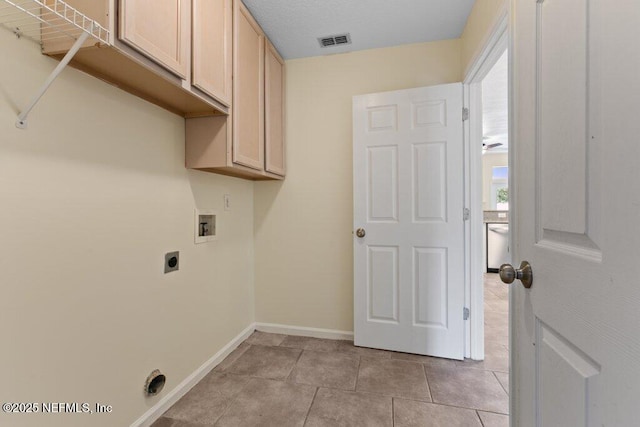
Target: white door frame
pixel 493 46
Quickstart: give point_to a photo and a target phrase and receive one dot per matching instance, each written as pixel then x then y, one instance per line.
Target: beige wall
pixel 489 161
pixel 91 197
pixel 480 22
pixel 303 240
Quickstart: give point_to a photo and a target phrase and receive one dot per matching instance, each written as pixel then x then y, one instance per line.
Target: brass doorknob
pixel 508 274
pixel 361 233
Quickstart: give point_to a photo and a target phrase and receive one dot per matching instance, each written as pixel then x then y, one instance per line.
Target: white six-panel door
pixel 576 140
pixel 408 198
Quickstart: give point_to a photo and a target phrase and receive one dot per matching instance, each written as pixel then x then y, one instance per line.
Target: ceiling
pixel 294 26
pixel 495 105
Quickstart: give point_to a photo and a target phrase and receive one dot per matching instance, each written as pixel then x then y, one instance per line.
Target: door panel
pixel 430 285
pixel 562 141
pixel 383 184
pixel 382 284
pixel 274 70
pixel 429 182
pixel 212 37
pixel 382 118
pixel 429 113
pixel 140 21
pixel 408 196
pixel 248 93
pixel 575 332
pixel 566 375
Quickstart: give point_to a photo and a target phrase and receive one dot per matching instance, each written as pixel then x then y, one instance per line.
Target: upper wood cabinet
pixel 248 90
pixel 160 51
pixel 212 47
pixel 250 142
pixel 207 60
pixel 159 29
pixel 274 111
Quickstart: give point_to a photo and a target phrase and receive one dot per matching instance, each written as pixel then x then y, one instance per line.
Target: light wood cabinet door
pixel 212 45
pixel 248 90
pixel 274 111
pixel 160 29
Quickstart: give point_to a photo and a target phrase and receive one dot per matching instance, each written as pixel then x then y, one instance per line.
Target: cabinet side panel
pixel 206 142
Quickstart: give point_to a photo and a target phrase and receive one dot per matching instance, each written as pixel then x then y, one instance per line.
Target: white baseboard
pixel 303 331
pixel 174 395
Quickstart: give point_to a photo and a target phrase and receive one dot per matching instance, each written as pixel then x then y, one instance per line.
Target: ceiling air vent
pixel 336 40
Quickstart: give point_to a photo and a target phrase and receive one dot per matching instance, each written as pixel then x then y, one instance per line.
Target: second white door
pixel 576 331
pixel 408 205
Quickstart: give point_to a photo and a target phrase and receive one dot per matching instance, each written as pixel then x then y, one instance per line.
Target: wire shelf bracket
pixel 49 20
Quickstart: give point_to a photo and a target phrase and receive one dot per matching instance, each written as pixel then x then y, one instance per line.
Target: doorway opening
pixel 486 90
pixel 495 216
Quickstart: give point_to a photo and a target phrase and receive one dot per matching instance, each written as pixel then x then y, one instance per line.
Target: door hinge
pixel 465 114
pixel 465 313
pixel 465 214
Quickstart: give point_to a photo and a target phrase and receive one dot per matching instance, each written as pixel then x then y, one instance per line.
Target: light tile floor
pixel 276 380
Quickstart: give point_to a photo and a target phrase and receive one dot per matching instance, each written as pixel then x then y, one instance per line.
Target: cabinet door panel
pixel 248 90
pixel 212 34
pixel 159 29
pixel 274 112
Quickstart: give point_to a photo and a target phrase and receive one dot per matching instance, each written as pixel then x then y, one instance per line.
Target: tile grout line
pixel 225 370
pixel 426 378
pixel 391 396
pixel 500 382
pixel 393 412
pixel 489 411
pixel 448 405
pixel 293 368
pixel 309 410
pixel 355 387
pixel 232 400
pixel 480 418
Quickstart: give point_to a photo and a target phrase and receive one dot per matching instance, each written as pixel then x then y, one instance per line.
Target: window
pixel 500 188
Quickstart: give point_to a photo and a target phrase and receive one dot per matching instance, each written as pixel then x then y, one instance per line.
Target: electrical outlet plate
pixel 205 226
pixel 171 261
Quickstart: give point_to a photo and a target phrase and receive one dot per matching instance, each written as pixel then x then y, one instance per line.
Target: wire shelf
pixel 48 20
